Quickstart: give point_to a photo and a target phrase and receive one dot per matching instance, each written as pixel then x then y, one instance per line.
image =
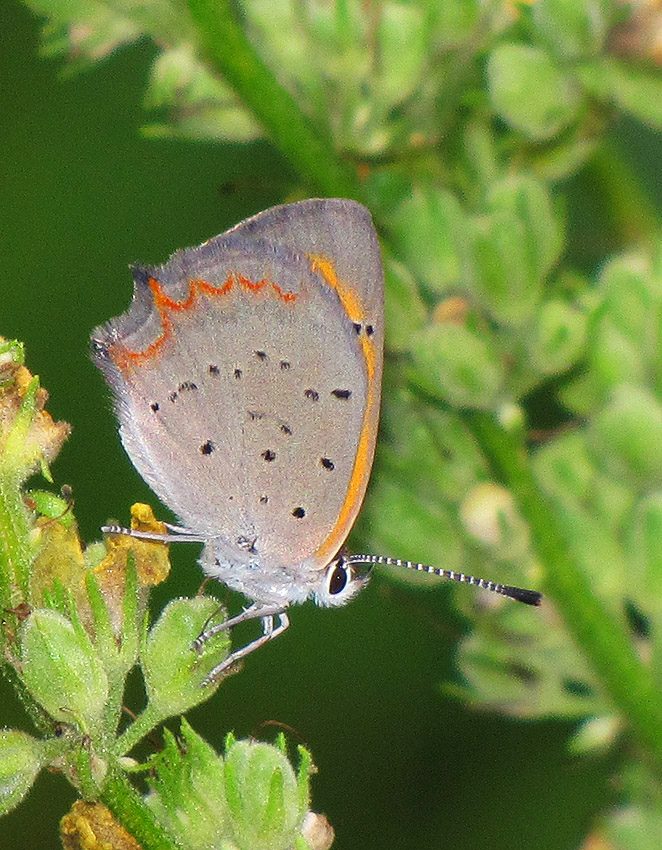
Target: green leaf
pixel 21 758
pixel 530 91
pixel 62 670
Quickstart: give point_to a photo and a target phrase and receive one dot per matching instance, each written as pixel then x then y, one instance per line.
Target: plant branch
pixel 133 734
pixel 601 637
pixel 232 55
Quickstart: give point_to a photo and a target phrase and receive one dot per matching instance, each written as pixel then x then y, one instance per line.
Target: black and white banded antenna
pixel 176 534
pixel 529 597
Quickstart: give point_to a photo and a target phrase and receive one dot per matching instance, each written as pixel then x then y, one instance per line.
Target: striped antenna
pixel 529 597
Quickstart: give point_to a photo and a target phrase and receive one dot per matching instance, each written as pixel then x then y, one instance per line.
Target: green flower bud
pixel 393 516
pixel 558 338
pixel 596 735
pixel 614 358
pixel 188 795
pixel 512 418
pixel 405 312
pixel 527 200
pixel 174 672
pixel 62 669
pixel 502 277
pixel 266 801
pixel 457 365
pixel 490 515
pixel 50 505
pixel 403 51
pixel 631 299
pixel 20 762
pixel 574 29
pixel 29 438
pixel 636 90
pixel 428 227
pixel 627 435
pixel 564 468
pixel 530 91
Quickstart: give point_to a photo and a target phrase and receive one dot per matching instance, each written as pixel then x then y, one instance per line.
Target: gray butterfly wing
pixel 246 375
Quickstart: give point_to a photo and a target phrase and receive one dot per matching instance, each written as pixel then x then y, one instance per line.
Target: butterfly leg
pixel 269 632
pixel 250 613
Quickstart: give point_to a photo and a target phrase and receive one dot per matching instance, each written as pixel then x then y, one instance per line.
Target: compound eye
pixel 338 580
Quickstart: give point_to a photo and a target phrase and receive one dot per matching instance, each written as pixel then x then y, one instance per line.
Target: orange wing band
pixel 126 359
pixel 355 310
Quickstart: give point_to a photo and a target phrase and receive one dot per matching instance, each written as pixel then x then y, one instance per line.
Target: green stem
pixel 601 637
pixel 233 56
pixel 141 726
pixel 135 816
pixel 15 554
pixel 83 761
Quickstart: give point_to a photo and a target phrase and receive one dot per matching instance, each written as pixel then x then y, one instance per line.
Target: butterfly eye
pixel 340 583
pixel 338 580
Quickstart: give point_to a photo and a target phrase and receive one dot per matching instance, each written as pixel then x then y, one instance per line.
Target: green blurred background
pixel 400 766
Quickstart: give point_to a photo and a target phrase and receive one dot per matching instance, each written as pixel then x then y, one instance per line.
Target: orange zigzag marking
pixel 125 358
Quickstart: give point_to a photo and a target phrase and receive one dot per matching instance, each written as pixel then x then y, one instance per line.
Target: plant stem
pixel 141 726
pixel 602 638
pixel 233 56
pixel 15 554
pixel 132 812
